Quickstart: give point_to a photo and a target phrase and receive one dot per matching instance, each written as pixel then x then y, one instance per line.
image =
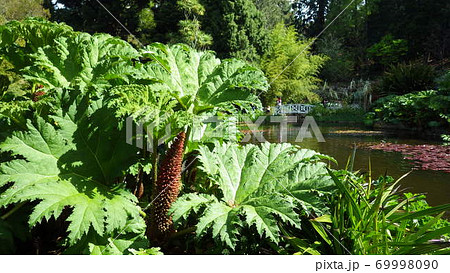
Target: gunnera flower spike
pixel 166 190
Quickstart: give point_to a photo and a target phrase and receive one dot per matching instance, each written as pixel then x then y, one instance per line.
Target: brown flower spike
pixel 166 190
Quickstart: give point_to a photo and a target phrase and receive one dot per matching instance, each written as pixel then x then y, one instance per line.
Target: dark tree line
pixel 90 16
pixel 237 27
pixel 240 28
pixel 425 24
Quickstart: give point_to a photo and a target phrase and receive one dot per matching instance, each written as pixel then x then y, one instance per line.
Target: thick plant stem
pixel 139 190
pixel 16 208
pixel 155 159
pixel 166 189
pixel 182 233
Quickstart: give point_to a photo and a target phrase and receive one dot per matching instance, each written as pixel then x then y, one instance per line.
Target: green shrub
pixel 406 78
pixel 351 114
pixel 444 83
pixel 369 119
pixel 419 110
pixel 388 50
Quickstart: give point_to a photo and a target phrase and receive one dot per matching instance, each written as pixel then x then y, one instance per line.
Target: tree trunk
pixel 321 15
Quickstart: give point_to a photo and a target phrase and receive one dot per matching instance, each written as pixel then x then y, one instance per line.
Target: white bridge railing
pixel 293 109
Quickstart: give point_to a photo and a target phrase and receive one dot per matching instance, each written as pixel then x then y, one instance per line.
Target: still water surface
pixel 339 143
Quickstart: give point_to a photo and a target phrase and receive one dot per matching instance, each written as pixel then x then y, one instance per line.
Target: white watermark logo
pixel 146 135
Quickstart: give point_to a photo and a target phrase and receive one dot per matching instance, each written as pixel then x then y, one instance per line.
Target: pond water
pixel 339 143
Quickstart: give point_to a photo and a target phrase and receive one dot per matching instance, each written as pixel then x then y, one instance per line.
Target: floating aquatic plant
pixel 425 157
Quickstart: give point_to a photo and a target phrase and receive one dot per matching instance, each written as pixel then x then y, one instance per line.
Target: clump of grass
pixel 372 217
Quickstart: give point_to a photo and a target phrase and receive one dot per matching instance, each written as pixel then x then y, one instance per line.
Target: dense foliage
pixel 344 114
pixel 339 66
pixel 420 110
pixel 237 29
pixel 378 33
pixel 62 138
pixel 373 34
pixel 293 76
pixel 405 78
pixel 292 178
pixel 21 9
pixel 274 12
pixel 310 15
pixel 388 50
pixel 75 180
pixel 90 15
pixel 181 21
pixel 424 24
pixel 444 83
pixel 42 144
pixel 65 161
pixel 19 40
pixel 379 220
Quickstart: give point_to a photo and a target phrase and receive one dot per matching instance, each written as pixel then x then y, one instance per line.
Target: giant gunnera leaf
pixel 119 242
pixel 20 39
pixel 83 62
pixel 263 185
pixel 201 81
pixel 73 160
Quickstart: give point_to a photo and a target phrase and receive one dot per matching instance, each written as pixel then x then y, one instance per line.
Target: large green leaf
pixel 119 242
pixel 18 40
pixel 74 161
pixel 191 202
pixel 84 62
pixel 199 79
pixel 264 183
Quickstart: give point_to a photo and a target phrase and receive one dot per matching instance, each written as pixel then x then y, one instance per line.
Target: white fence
pixel 293 109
